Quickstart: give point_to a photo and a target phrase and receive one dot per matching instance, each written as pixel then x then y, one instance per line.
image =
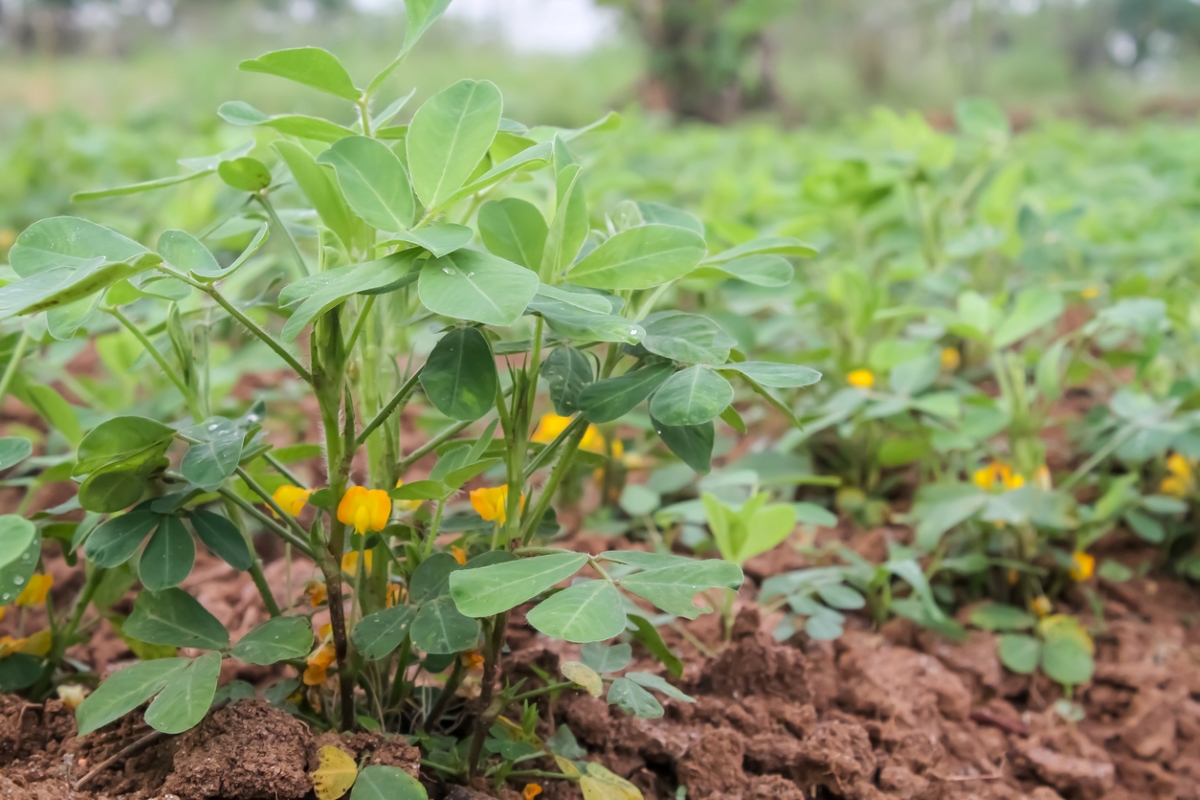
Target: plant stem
pixel 432 444
pixel 486 713
pixel 288 519
pixel 282 469
pixel 14 360
pixel 253 327
pixel 358 323
pixel 553 687
pixel 1119 438
pixel 431 537
pixel 278 223
pixel 167 369
pixel 268 523
pixel 256 570
pixel 399 397
pixel 561 468
pixel 547 452
pixel 452 684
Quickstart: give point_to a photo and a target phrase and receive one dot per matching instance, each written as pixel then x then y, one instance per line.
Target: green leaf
pixel 173 617
pixel 532 158
pixel 1035 308
pixel 61 286
pixel 14 576
pixel 185 252
pixel 612 398
pixel 567 371
pixel 475 286
pixel 326 290
pixel 570 320
pixel 439 240
pixel 673 587
pixel 840 596
pixel 1019 653
pixel 633 699
pixel 316 181
pixel 167 559
pixel 215 457
pixel 692 443
pixel 18 534
pixel 387 783
pixel 1001 617
pixel 143 186
pixel 421 490
pixel 567 230
pixel 690 338
pixel 186 697
pixel 761 270
pixel 373 181
pixel 239 112
pixel 981 118
pixel 114 542
pixel 752 529
pixel 125 690
pixel 377 635
pixel 419 15
pixel 278 639
pixel 604 660
pixel 652 640
pixel 1066 659
pixel 245 173
pixel 490 590
pixel 431 579
pixel 1145 526
pixel 223 538
pixel 591 611
pixel 775 375
pixel 118 485
pixel 460 377
pixel 19 671
pixel 50 406
pixel 640 258
pixel 440 629
pixel 771 245
pixel 449 135
pixel 310 66
pixel 305 127
pixel 691 397
pixel 937 518
pixel 659 684
pixel 663 214
pixel 513 229
pixel 68 242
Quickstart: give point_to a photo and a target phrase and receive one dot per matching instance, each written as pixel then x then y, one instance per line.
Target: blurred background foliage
pixel 95 92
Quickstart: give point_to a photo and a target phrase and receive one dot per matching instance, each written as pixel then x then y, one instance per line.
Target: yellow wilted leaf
pixel 567 767
pixel 584 675
pixel 335 774
pixel 600 784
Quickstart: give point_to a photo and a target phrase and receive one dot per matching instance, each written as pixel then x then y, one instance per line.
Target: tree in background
pixel 708 59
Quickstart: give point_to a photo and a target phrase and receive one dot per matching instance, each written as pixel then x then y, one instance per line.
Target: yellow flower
pixel 317 593
pixel 1040 605
pixel 549 427
pixel 1042 477
pixel 7 237
pixel 861 379
pixel 459 554
pixel 3 609
pixel 592 440
pixel 472 660
pixel 492 503
pixel 395 593
pixel 71 694
pixel 325 631
pixel 37 644
pixel 291 499
pixel 366 510
pixel 1090 292
pixel 1082 566
pixel 532 790
pixel 1181 481
pixel 9 645
pixel 950 359
pixel 319 662
pixel 35 593
pixel 406 505
pixel 997 472
pixel 350 561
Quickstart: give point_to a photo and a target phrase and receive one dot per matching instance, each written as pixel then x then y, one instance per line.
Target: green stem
pixel 282 469
pixel 553 687
pixel 10 370
pixel 433 528
pixel 431 445
pixel 399 397
pixel 547 452
pixel 253 327
pixel 358 323
pixel 167 369
pixel 287 518
pixel 268 523
pixel 559 472
pixel 278 223
pixel 1119 438
pixel 452 684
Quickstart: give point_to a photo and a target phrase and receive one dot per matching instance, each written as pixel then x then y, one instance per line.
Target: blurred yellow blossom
pixel 350 561
pixel 316 592
pixel 459 554
pixel 1082 566
pixel 491 503
pixel 532 790
pixel 35 593
pixel 291 499
pixel 318 663
pixel 1090 292
pixel 1040 605
pixel 1181 481
pixel 997 472
pixel 861 379
pixel 951 359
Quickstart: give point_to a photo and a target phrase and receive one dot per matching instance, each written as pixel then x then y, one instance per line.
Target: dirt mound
pixel 901 714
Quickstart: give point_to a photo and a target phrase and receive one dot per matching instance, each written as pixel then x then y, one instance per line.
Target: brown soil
pixel 898 713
